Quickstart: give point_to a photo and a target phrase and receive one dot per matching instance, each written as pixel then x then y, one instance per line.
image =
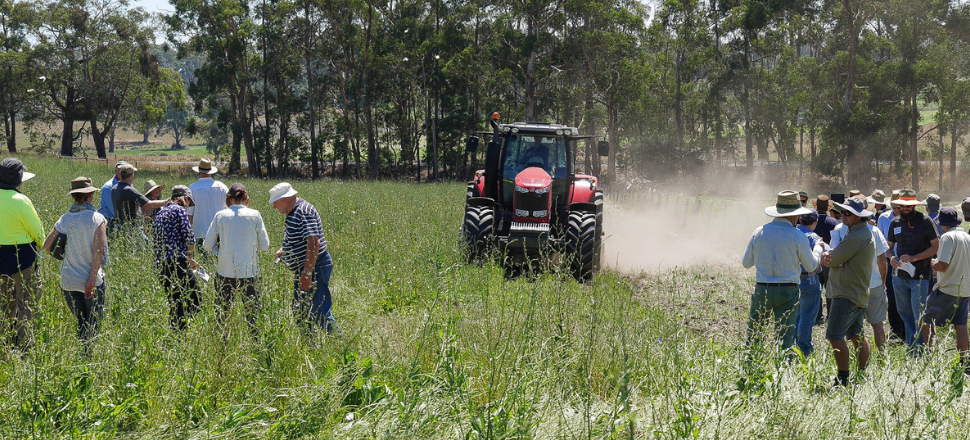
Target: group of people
pixel 205 220
pixel 878 258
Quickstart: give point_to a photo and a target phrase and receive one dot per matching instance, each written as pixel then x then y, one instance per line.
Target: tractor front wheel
pixel 581 244
pixel 477 230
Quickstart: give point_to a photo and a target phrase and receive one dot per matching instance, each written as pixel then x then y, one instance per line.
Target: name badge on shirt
pixel 897 230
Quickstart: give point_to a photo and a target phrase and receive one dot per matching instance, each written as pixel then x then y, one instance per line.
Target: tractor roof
pixel 539 127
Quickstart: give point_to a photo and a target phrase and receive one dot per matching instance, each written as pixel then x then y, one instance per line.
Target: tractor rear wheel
pixel 599 201
pixel 477 230
pixel 581 244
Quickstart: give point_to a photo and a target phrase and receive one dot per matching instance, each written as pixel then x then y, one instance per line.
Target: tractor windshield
pixel 524 151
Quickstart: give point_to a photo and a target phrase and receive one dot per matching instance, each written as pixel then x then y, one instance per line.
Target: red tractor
pixel 529 202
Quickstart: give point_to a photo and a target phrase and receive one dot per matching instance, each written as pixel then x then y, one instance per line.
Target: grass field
pixel 435 348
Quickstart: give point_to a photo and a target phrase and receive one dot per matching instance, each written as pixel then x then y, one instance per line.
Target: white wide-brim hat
pixel 280 191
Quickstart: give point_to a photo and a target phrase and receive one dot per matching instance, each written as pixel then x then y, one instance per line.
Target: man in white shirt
pixel 209 196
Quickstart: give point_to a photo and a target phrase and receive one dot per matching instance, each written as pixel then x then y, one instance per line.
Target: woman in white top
pixel 82 280
pixel 234 236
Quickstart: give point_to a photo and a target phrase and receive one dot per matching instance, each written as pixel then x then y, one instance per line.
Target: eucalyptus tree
pixel 17 77
pixel 224 31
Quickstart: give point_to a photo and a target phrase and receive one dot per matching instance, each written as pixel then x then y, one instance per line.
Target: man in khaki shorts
pixel 948 302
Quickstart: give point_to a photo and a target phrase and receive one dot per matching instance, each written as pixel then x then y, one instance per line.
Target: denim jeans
pixel 810 294
pixel 320 307
pixel 87 311
pixel 910 299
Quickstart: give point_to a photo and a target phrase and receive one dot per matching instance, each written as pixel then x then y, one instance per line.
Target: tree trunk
pixel 144 138
pixel 98 137
pixel 111 141
pixel 954 138
pixel 748 141
pixel 67 119
pixel 914 140
pixel 10 126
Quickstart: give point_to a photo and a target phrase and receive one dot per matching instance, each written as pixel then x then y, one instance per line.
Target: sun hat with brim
pixel 205 167
pixel 877 198
pixel 855 206
pixel 13 172
pixel 948 217
pixel 907 197
pixel 181 191
pixel 82 185
pixel 788 204
pixel 151 186
pixel 282 190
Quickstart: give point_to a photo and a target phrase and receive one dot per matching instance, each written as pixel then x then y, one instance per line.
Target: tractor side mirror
pixel 471 145
pixel 603 147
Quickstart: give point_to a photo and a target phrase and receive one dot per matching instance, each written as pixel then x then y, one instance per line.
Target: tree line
pixel 390 88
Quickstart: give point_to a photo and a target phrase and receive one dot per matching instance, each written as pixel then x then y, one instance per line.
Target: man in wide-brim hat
pixel 778 251
pixel 209 196
pixel 912 239
pixel 851 270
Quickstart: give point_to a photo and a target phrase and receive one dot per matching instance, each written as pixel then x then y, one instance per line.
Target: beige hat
pixel 855 193
pixel 82 185
pixel 126 170
pixel 907 197
pixel 205 167
pixel 788 204
pixel 877 198
pixel 282 190
pixel 821 203
pixel 151 186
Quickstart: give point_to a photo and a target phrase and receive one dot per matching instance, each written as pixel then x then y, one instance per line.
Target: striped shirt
pixel 301 223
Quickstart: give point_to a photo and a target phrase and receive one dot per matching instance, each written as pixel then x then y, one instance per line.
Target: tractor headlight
pixel 540 214
pixel 559 132
pixel 542 190
pixel 521 213
pixel 521 189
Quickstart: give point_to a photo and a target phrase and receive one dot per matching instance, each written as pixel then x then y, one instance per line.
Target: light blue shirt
pixel 107 206
pixel 883 222
pixel 778 251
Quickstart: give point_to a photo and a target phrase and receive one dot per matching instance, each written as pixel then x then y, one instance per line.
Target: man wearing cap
pixel 20 237
pixel 948 302
pixel 778 251
pixel 851 264
pixel 107 203
pixel 209 196
pixel 128 201
pixel 803 196
pixel 912 241
pixel 810 291
pixel 304 251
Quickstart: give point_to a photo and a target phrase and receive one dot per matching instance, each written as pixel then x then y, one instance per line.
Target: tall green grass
pixel 436 348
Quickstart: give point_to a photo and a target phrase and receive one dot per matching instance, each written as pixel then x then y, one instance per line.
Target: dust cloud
pixel 652 230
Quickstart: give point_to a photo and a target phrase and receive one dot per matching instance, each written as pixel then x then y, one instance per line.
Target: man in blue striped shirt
pixel 778 251
pixel 305 253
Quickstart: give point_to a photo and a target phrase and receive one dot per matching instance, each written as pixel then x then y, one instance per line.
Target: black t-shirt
pixel 913 236
pixel 128 202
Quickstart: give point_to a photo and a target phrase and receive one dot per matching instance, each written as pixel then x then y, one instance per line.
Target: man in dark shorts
pixel 851 269
pixel 912 239
pixel 949 299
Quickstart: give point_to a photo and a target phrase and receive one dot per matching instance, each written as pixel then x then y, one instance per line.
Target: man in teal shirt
pixel 851 270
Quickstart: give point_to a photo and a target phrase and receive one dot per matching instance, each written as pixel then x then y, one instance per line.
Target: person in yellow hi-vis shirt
pixel 21 236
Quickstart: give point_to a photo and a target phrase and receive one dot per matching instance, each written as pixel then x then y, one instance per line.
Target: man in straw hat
pixel 948 302
pixel 21 235
pixel 209 196
pixel 778 251
pixel 851 264
pixel 912 243
pixel 152 191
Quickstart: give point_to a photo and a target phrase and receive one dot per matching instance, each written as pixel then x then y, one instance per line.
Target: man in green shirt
pixel 851 269
pixel 21 234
